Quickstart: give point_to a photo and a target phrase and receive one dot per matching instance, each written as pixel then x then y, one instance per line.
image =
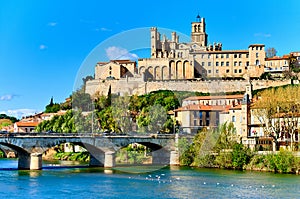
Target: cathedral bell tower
pixel 198 34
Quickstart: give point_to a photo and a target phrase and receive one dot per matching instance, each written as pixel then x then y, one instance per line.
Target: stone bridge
pixel 31 146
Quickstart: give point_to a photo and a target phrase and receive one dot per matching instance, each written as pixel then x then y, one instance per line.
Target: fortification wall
pixel 137 86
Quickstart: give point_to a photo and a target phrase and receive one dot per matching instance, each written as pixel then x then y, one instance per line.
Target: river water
pixel 174 182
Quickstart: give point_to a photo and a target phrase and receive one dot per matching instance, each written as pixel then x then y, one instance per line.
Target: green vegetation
pixel 278 111
pixel 52 107
pixel 133 154
pixel 12 119
pixel 60 124
pixel 72 156
pixel 221 148
pixel 2 155
pixel 283 162
pixel 6 120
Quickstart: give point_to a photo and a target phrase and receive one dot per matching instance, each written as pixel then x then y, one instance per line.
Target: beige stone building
pixel 171 59
pixel 115 69
pixel 277 64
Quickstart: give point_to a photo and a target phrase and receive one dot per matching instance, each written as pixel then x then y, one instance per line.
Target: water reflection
pixel 175 182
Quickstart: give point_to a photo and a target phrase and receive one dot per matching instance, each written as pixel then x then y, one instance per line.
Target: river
pixel 174 182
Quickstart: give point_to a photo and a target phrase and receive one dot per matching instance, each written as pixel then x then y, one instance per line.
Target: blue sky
pixel 43 44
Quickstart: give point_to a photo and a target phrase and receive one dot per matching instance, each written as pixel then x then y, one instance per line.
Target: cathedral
pixel 172 60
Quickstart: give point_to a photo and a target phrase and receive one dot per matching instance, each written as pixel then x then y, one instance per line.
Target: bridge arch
pixel 101 148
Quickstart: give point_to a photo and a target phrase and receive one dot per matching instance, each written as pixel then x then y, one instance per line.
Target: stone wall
pixel 138 86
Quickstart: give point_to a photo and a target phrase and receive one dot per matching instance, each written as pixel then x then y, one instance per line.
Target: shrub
pixel 224 159
pixel 241 156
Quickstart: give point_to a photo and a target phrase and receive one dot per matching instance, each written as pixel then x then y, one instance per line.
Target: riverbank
pixel 56 153
pixel 219 148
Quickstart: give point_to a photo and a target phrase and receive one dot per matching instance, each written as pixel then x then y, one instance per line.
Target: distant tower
pixel 155 42
pixel 198 34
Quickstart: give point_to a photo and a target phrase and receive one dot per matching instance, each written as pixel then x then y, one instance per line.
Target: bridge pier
pixel 96 159
pixel 174 158
pixel 161 157
pixel 109 159
pixel 106 159
pixel 31 161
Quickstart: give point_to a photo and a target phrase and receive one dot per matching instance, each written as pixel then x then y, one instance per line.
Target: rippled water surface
pixel 175 182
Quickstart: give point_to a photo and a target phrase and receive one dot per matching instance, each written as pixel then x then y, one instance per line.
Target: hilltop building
pixel 173 64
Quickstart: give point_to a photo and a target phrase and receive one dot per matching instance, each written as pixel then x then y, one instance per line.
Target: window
pixel 208 56
pixel 233 119
pixel 240 63
pixel 257 62
pixel 235 63
pixel 247 55
pixel 203 63
pixel 217 56
pixel 227 71
pixel 209 63
pixel 235 56
pixel 235 70
pixel 227 55
pixel 207 118
pixel 195 122
pixel 240 55
pixel 222 56
pixel 247 63
pixel 227 63
pixel 209 71
pixel 240 70
pixel 217 71
pixel 202 56
pixel 217 63
pixel 256 55
pixel 256 47
pixel 222 63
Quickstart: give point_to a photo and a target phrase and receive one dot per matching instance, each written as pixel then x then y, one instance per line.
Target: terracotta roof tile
pixel 197 107
pixel 212 97
pixel 26 124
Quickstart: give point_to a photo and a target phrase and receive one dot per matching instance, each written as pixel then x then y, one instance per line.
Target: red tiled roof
pixel 197 107
pixel 26 124
pixel 277 58
pixel 211 97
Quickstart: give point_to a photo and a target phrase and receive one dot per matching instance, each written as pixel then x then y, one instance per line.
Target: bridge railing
pixel 43 134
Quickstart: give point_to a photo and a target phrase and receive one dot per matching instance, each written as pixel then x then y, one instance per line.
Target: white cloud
pixel 19 113
pixel 114 52
pixel 103 29
pixel 262 34
pixel 7 97
pixel 43 47
pixel 52 23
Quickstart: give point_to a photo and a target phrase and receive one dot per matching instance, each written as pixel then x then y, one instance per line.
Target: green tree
pixel 52 107
pixel 121 113
pixel 241 156
pixel 82 101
